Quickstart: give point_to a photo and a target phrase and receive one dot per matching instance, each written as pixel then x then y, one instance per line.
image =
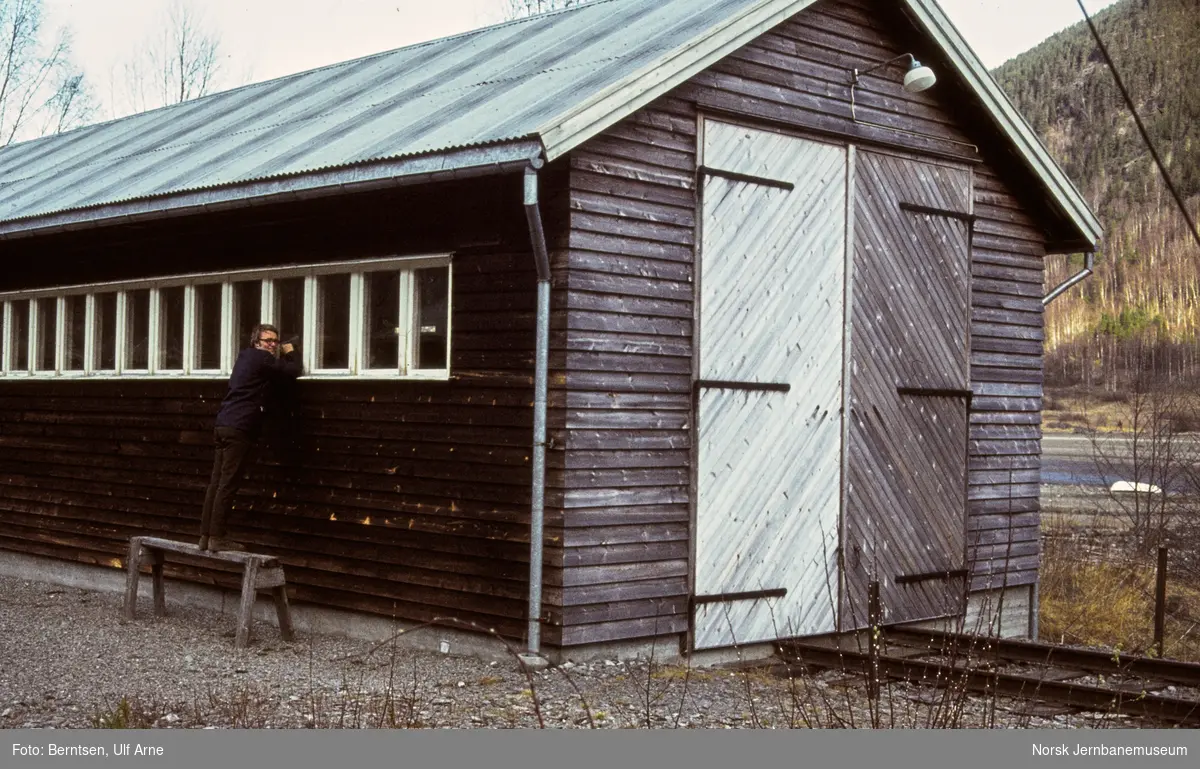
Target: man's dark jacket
pixel 254 373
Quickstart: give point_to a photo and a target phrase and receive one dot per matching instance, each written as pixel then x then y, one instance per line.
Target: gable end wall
pixel 628 303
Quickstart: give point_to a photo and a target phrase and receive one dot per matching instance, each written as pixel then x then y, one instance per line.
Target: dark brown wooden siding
pixel 629 309
pixel 626 340
pixel 1006 374
pixel 407 499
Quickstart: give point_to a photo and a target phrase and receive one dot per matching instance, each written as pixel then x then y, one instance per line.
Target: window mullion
pixel 121 332
pixel 357 312
pixel 89 335
pixel 189 329
pixel 449 313
pixel 407 313
pixel 5 330
pixel 60 336
pixel 228 348
pixel 153 327
pixel 32 335
pixel 308 351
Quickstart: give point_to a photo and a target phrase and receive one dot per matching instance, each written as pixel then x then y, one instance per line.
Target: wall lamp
pixel 918 78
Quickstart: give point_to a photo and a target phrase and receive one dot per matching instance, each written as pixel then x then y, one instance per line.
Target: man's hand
pixel 287 348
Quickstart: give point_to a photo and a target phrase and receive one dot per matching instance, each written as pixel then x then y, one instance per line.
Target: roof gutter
pixel 447 165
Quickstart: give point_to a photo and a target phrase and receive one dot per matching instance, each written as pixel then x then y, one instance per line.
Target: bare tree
pixel 516 9
pixel 181 61
pixel 1152 459
pixel 41 91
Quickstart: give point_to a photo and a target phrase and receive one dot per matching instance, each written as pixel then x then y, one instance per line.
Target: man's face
pixel 269 341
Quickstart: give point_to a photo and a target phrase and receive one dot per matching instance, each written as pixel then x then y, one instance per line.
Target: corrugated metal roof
pixel 484 87
pixel 484 99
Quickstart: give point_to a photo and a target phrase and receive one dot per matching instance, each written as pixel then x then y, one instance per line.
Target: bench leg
pixel 284 612
pixel 246 610
pixel 160 600
pixel 133 567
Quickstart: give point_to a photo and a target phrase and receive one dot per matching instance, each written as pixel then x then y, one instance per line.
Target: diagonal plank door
pixel 909 395
pixel 772 281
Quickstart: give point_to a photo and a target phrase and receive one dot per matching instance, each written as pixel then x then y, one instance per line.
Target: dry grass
pixel 1083 409
pixel 1094 592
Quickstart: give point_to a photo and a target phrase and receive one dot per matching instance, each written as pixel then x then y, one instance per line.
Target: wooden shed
pixel 792 340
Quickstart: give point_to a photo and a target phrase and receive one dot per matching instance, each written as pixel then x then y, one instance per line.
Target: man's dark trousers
pixel 229 459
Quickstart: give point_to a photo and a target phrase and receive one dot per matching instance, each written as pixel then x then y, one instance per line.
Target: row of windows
pixel 376 318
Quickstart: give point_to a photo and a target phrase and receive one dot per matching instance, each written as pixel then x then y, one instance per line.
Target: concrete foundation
pixel 1002 613
pixel 306 618
pixel 309 618
pixel 1006 612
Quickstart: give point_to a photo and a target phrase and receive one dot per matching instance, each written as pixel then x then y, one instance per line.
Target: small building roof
pixel 468 104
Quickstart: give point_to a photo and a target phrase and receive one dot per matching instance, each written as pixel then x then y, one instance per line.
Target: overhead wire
pixel 1162 168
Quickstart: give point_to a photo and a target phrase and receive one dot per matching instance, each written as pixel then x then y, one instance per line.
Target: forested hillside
pixel 1142 308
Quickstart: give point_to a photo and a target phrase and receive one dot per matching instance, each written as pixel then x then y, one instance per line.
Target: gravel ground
pixel 67 660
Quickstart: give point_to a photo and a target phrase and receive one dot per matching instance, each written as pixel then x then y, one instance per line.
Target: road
pixel 1071 458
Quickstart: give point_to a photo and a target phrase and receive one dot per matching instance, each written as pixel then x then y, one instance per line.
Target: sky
pixel 264 39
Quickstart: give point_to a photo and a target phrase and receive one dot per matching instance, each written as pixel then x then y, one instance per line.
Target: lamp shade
pixel 918 78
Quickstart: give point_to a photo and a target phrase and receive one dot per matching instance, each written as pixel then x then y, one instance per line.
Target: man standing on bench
pixel 239 422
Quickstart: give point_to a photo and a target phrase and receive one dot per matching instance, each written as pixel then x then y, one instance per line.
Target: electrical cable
pixel 1142 128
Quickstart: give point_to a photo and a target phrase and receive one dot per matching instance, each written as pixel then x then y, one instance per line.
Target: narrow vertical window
pixel 46 314
pixel 382 324
pixel 137 330
pixel 433 294
pixel 333 322
pixel 247 312
pixel 18 335
pixel 170 325
pixel 289 307
pixel 106 332
pixel 74 332
pixel 208 326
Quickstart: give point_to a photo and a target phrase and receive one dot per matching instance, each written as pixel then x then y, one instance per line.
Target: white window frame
pixel 125 319
pixel 35 337
pixel 64 333
pixel 191 363
pixel 414 329
pixel 360 341
pixel 408 316
pixel 93 353
pixel 158 331
pixel 10 331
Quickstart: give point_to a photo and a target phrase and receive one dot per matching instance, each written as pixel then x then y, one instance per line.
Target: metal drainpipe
pixel 541 373
pixel 1078 277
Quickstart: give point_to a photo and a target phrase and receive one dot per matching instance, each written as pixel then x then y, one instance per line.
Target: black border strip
pixel 751 595
pixel 717 384
pixel 948 574
pixel 918 209
pixel 748 178
pixel 936 392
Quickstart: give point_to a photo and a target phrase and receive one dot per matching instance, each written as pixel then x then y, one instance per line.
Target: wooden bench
pixel 259 572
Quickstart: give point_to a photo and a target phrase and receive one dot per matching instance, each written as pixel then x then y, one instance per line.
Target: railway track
pixel 1084 679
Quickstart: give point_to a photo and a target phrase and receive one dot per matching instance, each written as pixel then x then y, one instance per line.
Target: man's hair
pixel 257 333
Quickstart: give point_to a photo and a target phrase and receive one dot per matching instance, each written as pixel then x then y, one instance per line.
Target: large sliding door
pixel 909 394
pixel 769 389
pixel 802 504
